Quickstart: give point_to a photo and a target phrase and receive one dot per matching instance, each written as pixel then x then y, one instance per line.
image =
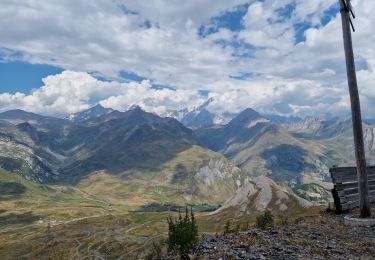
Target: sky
pixel 281 57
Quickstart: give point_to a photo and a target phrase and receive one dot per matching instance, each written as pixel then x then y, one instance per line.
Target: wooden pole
pixel 364 203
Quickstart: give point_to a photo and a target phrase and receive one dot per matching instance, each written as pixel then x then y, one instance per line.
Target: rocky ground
pixel 318 237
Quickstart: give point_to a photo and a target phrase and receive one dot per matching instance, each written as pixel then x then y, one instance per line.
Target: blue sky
pixel 23 77
pixel 165 55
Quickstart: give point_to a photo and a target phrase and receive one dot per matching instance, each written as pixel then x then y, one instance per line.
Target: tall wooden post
pixel 356 111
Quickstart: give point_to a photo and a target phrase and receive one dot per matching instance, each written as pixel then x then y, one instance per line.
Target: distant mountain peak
pixel 18 112
pixel 205 103
pixel 97 106
pixel 91 113
pixel 17 116
pixel 247 118
pixel 135 108
pixel 201 116
pixel 249 112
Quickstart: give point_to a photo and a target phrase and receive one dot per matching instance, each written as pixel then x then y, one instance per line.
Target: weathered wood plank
pixel 350 185
pixel 349 205
pixel 355 197
pixel 339 172
pixel 345 192
pixel 336 200
pixel 349 169
pixel 352 204
pixel 352 191
pixel 348 179
pixel 351 175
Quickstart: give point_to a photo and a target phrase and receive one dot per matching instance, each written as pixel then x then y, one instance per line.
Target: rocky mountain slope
pixel 298 153
pixel 47 149
pixel 195 176
pixel 130 158
pixel 317 128
pixel 336 135
pixel 260 194
pixel 114 142
pixel 263 147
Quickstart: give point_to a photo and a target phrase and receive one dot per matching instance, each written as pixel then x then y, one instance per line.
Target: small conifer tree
pixel 265 220
pixel 182 233
pixel 227 227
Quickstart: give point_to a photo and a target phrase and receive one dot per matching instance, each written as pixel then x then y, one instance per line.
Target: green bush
pixel 156 250
pixel 298 220
pixel 182 233
pixel 265 220
pixel 245 226
pixel 284 221
pixel 237 229
pixel 227 227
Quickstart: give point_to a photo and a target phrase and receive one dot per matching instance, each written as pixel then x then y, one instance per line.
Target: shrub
pixel 245 226
pixel 298 220
pixel 237 229
pixel 182 233
pixel 156 250
pixel 284 221
pixel 227 227
pixel 265 220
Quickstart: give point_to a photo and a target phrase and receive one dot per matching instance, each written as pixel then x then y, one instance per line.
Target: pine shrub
pixel 182 233
pixel 265 220
pixel 227 229
pixel 284 221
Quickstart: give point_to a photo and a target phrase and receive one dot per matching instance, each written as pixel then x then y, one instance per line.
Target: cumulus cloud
pixel 107 37
pixel 70 92
pixel 268 64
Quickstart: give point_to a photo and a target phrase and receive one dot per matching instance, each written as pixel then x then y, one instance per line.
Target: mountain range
pixel 138 158
pixel 117 156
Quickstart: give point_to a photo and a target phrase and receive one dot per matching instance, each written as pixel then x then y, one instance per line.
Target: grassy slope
pixel 23 202
pixel 129 236
pixel 95 218
pixel 86 225
pixel 169 185
pixel 343 144
pixel 250 158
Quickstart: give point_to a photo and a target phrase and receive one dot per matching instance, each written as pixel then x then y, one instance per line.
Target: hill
pixel 260 194
pixel 24 202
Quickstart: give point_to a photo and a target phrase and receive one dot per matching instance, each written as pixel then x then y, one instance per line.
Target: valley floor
pixel 134 235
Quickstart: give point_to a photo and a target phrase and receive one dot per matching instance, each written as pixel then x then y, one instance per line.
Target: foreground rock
pixel 319 237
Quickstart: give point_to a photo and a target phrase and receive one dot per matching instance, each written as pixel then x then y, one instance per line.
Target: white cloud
pixel 70 92
pixel 97 36
pixel 106 37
